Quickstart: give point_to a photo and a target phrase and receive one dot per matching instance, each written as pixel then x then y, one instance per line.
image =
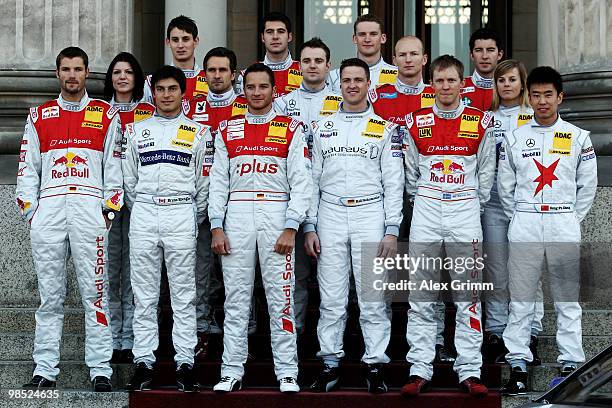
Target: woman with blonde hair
pixel 510 107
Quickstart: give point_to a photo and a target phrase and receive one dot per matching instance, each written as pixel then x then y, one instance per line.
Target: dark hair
pixel 355 62
pixel 224 53
pixel 183 23
pixel 276 16
pixel 444 62
pixel 485 34
pixel 545 75
pixel 71 52
pixel 259 67
pixel 139 78
pixel 168 71
pixel 316 42
pixel 368 18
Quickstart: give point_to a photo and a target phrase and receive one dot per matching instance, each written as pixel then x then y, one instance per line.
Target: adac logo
pixel 74 166
pixel 447 171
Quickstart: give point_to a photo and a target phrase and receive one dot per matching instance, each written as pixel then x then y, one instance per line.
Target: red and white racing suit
pixel 477 92
pixel 287 76
pixel 260 184
pixel 69 172
pixel 196 84
pixel 450 166
pixel 120 297
pixel 546 181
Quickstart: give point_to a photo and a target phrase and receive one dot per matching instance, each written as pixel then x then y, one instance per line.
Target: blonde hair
pixel 503 68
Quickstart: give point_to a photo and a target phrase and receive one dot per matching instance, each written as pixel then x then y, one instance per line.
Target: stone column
pixel 32 32
pixel 575 37
pixel 211 18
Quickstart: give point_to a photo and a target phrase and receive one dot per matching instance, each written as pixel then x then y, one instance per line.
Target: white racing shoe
pixel 228 384
pixel 289 385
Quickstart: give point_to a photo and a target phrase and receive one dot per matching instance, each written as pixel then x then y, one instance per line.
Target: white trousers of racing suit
pixel 170 237
pixel 61 225
pixel 345 233
pixel 120 296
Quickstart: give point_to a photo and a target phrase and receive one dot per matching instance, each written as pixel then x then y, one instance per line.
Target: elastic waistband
pixel 351 201
pixel 71 189
pixel 259 196
pixel 545 208
pixel 436 194
pixel 164 200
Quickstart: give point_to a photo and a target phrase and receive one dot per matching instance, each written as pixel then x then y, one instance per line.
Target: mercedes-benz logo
pixel 146 133
pixel 329 124
pixel 292 103
pixel 530 143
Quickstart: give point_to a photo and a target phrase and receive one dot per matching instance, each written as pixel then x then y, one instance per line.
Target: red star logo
pixel 547 175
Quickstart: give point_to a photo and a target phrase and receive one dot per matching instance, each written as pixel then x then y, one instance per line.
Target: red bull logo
pixel 447 171
pixel 114 201
pixel 75 166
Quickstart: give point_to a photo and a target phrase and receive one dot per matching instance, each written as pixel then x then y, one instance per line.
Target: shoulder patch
pixel 390 126
pixel 294 124
pixel 409 120
pixel 185 106
pixel 314 126
pixel 486 119
pixel 111 112
pixel 148 79
pixel 222 125
pixel 373 95
pixel 34 114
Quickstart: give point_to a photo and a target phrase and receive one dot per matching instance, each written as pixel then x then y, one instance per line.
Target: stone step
pixel 75 374
pixel 67 399
pixel 12 320
pixel 19 346
pixel 539 377
pixel 518 401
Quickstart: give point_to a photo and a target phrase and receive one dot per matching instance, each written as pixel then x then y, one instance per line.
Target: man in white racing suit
pixel 167 195
pixel 356 205
pixel 547 179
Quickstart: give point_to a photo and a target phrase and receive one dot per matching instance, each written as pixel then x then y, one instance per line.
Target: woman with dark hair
pixel 510 107
pixel 123 88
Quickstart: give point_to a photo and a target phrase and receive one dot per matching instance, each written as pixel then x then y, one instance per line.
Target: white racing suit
pixel 167 195
pixel 380 73
pixel 357 200
pixel 308 107
pixel 547 180
pixel 69 172
pixel 450 166
pixel 495 235
pixel 260 185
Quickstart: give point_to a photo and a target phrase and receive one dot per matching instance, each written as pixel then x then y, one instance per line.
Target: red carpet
pixel 272 398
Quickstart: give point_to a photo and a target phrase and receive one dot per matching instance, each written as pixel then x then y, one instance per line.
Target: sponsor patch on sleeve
pixel 409 120
pixel 373 95
pixel 111 112
pixel 34 114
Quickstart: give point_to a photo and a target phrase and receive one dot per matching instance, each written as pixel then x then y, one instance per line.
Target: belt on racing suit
pixel 545 208
pixel 438 194
pixel 351 201
pixel 164 200
pixel 70 189
pixel 239 195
